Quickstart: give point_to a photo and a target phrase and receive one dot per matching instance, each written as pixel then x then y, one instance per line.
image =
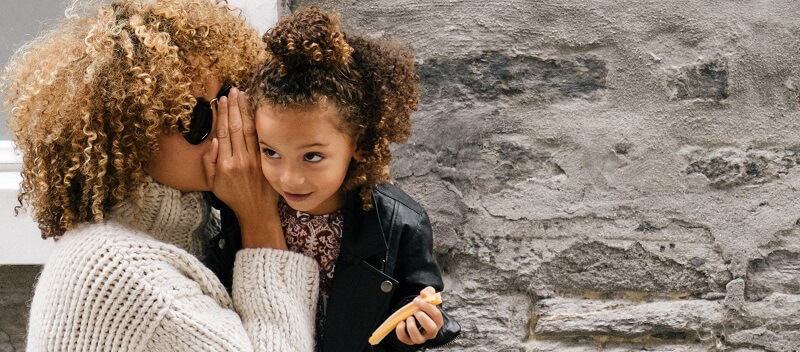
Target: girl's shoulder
pixel 387 193
pixel 396 206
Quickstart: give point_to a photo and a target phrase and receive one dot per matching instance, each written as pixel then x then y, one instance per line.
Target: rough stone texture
pixel 667 320
pixel 760 337
pixel 494 75
pixel 635 157
pixel 705 81
pixel 597 267
pixel 778 271
pixel 16 291
pixel 727 167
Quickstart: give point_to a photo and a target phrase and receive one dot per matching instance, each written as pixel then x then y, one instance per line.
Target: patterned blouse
pixel 317 236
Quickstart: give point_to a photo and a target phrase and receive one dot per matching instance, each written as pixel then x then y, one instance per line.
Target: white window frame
pixel 10 167
pixel 21 241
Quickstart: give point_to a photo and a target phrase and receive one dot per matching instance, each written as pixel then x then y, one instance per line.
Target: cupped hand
pixel 233 170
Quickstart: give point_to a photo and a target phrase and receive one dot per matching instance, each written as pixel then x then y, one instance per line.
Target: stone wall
pixel 16 292
pixel 615 175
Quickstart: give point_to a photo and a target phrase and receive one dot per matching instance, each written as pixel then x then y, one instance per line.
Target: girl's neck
pixel 332 204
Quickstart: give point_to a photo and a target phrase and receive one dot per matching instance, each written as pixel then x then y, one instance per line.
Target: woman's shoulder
pixel 105 276
pixel 91 251
pixel 94 239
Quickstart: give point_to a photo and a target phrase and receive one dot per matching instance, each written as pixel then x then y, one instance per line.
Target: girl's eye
pixel 271 153
pixel 313 157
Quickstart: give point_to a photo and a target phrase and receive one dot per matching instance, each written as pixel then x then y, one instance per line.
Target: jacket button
pixel 221 243
pixel 386 286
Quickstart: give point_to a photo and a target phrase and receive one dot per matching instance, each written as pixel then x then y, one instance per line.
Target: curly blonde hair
pixel 372 83
pixel 87 99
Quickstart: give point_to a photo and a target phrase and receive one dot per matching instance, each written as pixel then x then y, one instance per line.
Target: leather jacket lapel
pixel 360 291
pixel 364 234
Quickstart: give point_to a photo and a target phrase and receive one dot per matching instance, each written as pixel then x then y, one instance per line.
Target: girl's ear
pixel 358 155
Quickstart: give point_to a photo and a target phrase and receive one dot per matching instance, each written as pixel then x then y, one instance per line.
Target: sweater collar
pixel 168 215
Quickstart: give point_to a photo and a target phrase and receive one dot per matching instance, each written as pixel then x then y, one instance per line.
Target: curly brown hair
pixel 87 99
pixel 372 83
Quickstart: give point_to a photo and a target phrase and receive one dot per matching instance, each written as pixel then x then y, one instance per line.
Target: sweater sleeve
pixel 275 292
pixel 274 298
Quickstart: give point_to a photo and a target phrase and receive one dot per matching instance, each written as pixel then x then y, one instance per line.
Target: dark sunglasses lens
pixel 200 127
pixel 224 92
pixel 202 120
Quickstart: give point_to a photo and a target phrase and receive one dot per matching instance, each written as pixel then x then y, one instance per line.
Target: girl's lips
pixel 296 197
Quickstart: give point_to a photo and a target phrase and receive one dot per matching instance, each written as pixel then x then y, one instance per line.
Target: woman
pixel 113 111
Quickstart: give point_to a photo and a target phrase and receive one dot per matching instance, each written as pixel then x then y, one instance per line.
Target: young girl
pixel 327 106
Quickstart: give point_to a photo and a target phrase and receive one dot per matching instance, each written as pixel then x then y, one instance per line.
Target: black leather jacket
pixel 386 258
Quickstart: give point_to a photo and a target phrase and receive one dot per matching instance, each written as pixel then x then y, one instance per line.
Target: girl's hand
pixel 429 318
pixel 233 170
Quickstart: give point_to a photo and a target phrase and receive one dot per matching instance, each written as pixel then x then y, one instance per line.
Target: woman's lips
pixel 294 197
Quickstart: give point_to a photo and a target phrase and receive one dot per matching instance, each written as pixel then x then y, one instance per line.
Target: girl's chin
pixel 307 207
pixel 302 207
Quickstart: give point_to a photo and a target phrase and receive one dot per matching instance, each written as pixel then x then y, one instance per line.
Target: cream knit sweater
pixel 135 283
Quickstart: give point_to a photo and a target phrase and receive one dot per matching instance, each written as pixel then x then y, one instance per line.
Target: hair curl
pixel 88 98
pixel 372 83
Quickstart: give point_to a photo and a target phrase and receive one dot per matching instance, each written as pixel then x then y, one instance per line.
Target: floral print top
pixel 317 236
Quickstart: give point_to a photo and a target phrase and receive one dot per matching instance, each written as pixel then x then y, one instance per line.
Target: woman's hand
pixel 429 318
pixel 233 170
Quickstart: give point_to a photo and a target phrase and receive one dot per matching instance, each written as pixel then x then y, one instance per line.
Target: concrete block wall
pixel 606 175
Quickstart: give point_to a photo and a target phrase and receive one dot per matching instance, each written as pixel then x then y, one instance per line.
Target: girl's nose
pixel 292 177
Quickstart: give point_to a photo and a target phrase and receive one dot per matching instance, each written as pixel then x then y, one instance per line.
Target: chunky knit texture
pixel 135 283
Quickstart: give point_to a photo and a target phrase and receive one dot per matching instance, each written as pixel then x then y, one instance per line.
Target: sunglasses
pixel 202 119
